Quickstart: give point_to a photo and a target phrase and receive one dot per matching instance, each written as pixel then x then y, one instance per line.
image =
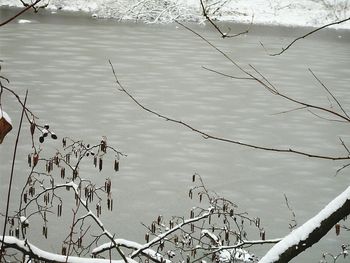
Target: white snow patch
pixel 4 115
pixel 56 257
pixel 133 245
pixel 24 220
pixel 209 234
pixel 24 21
pixel 235 255
pixel 283 12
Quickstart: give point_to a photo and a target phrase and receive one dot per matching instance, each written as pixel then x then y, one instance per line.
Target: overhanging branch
pixel 222 139
pixel 310 232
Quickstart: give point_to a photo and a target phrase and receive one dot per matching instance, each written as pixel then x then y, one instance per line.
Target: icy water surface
pixel 63 62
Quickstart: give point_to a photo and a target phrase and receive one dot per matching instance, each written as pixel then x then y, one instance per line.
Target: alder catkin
pixel 231 212
pixel 227 235
pixel 32 128
pixel 337 229
pixel 68 158
pixel 190 193
pixel 100 164
pixel 116 165
pixel 63 172
pixel 35 159
pixel 25 197
pixel 262 235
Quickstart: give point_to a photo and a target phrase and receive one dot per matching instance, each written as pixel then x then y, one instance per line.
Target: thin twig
pixel 294 221
pixel 217 28
pixel 344 145
pixel 308 34
pixel 19 13
pixel 329 92
pixel 225 75
pixel 12 174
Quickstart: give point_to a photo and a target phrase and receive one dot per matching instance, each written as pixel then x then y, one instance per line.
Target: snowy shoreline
pixel 303 13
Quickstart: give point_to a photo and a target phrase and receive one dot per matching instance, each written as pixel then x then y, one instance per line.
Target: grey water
pixel 62 60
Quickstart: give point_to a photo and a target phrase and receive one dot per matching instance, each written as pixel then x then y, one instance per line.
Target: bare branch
pixel 213 137
pixel 344 145
pixel 264 81
pixel 36 253
pixel 225 75
pixel 293 219
pixel 217 28
pixel 308 34
pixel 330 93
pixel 27 7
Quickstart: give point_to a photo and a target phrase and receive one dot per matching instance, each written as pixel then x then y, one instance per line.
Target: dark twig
pixel 217 28
pixel 225 75
pixel 19 13
pixel 264 81
pixel 308 34
pixel 342 168
pixel 346 148
pixel 12 174
pixel 288 111
pixel 330 93
pixel 293 223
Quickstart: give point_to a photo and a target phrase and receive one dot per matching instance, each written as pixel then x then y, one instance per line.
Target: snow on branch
pixel 310 232
pixel 145 249
pixel 36 253
pixel 150 253
pixel 161 236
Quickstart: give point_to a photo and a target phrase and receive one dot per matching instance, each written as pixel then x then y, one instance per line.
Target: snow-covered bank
pixel 313 13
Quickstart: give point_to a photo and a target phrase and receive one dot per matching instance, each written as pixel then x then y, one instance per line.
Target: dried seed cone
pixel 227 236
pixel 337 229
pixel 262 235
pixel 29 160
pixel 116 165
pixel 32 128
pixel 35 159
pixel 63 172
pixel 100 164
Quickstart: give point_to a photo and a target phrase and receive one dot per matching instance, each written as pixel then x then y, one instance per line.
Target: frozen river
pixel 63 62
